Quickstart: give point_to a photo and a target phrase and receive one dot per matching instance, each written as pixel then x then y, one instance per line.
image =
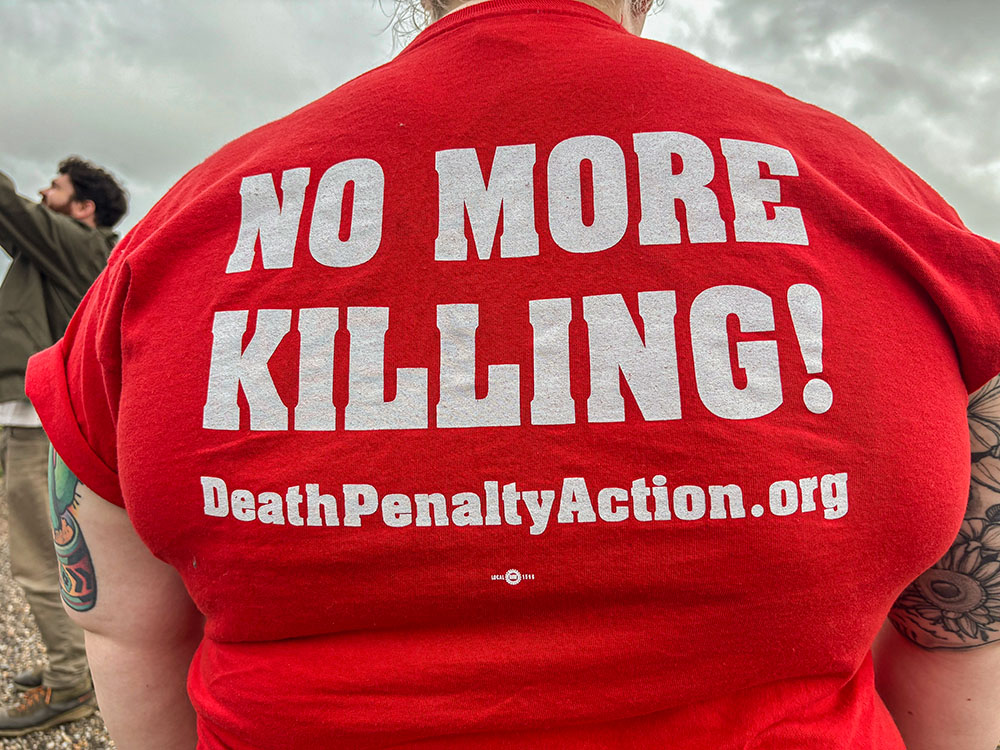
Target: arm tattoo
pixel 77 581
pixel 956 604
pixel 984 434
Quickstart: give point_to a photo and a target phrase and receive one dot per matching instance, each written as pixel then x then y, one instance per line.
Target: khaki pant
pixel 24 456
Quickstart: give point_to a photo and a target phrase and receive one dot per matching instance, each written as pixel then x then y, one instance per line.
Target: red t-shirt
pixel 546 387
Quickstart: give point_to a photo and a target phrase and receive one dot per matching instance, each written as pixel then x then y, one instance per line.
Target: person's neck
pixel 601 6
pixel 630 21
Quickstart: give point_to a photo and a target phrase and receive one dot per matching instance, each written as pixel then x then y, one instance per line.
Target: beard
pixel 59 208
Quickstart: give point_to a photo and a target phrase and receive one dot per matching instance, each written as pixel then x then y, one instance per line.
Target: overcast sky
pixel 149 88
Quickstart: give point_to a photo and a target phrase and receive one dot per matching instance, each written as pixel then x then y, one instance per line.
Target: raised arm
pixel 141 626
pixel 46 238
pixel 937 666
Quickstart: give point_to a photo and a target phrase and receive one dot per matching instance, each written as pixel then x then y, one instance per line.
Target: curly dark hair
pixel 91 183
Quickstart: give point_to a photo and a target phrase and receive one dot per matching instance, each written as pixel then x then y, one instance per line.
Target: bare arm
pixel 141 627
pixel 938 667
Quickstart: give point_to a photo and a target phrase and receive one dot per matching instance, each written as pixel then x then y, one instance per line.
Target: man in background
pixel 57 248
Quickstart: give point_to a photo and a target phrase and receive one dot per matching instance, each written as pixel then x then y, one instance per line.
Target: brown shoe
pixel 28 679
pixel 43 708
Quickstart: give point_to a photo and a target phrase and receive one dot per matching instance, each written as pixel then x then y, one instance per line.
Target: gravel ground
pixel 20 648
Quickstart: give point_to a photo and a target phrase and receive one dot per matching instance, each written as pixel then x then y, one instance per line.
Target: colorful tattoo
pixel 77 581
pixel 956 604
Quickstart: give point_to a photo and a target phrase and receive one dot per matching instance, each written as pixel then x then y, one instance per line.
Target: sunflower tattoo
pixel 956 604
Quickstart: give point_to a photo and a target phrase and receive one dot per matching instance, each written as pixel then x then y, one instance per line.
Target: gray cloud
pixel 919 76
pixel 150 88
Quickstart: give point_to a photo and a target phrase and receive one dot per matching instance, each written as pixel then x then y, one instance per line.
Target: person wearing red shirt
pixel 547 387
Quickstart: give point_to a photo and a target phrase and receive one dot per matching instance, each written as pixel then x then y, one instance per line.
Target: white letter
pixel 731 492
pixel 612 504
pixel 575 501
pixel 315 501
pixel 293 499
pixel 277 226
pixel 833 491
pixel 492 493
pixel 783 498
pixel 640 502
pixel 459 406
pixel 750 192
pixel 317 328
pixel 539 506
pixel 509 498
pixel 359 500
pixel 271 511
pixel 232 367
pixel 462 190
pixel 661 499
pixel 659 187
pixel 807 490
pixel 650 369
pixel 552 402
pixel 216 497
pixel 424 503
pixel 566 194
pixel 397 511
pixel 365 235
pixel 244 505
pixel 367 408
pixel 689 502
pixel 710 345
pixel 468 509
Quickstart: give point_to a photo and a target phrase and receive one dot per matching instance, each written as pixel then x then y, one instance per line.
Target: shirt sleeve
pixel 75 385
pixel 957 269
pixel 961 272
pixel 975 322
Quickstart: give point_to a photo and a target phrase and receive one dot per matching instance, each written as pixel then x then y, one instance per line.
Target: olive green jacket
pixel 55 259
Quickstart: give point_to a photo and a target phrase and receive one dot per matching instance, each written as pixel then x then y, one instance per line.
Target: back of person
pixel 546 386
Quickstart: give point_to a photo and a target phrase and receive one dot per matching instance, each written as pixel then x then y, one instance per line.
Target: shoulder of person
pixel 85 238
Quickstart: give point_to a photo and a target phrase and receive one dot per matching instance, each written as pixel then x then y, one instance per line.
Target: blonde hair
pixel 409 17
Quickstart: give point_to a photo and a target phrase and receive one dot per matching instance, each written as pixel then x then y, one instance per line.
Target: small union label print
pixel 513 577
